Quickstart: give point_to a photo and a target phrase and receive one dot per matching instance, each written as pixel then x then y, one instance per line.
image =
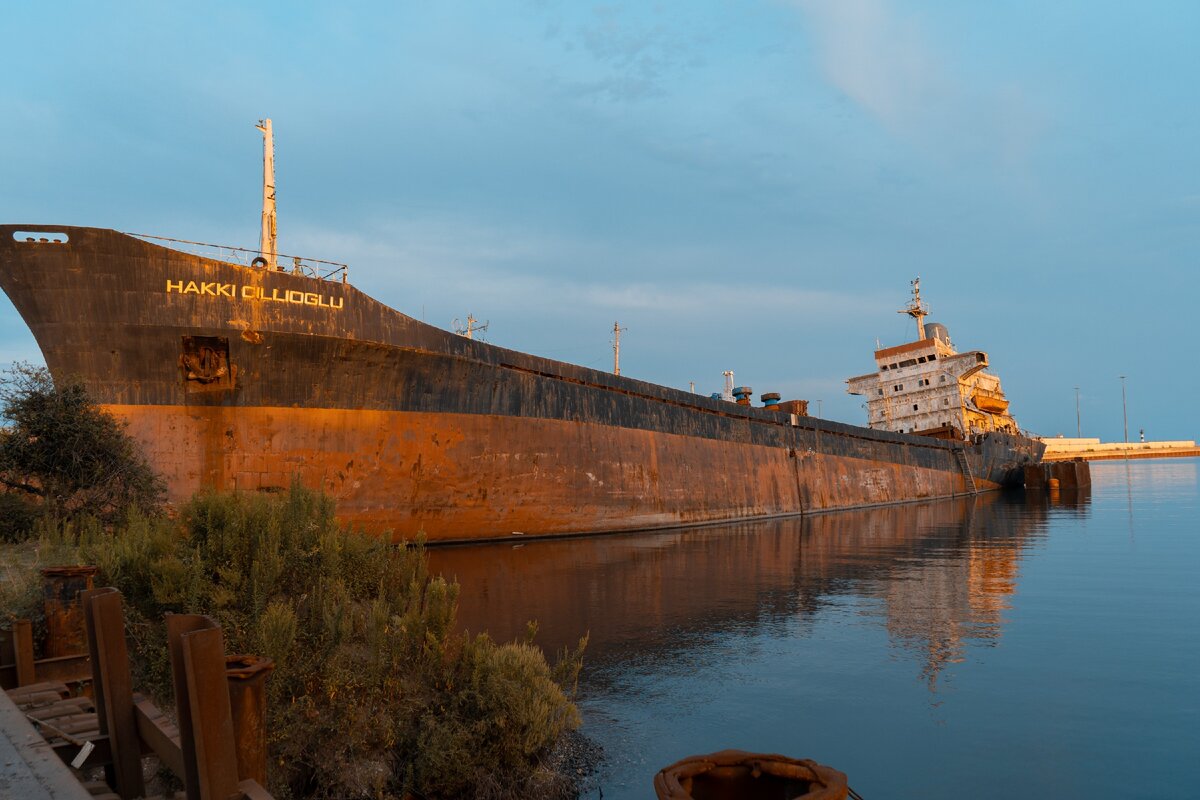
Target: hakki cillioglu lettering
pixel 232 291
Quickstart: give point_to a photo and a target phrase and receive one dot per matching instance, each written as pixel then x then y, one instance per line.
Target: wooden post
pixel 22 633
pixel 177 625
pixel 113 689
pixel 197 652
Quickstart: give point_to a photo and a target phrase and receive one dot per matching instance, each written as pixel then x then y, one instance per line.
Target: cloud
pixel 727 299
pixel 513 270
pixel 630 54
pixel 886 64
pixel 878 59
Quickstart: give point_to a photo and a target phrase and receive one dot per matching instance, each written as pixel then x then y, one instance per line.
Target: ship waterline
pixel 455 476
pixel 235 377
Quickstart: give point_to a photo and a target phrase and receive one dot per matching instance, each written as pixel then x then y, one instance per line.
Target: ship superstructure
pixel 926 387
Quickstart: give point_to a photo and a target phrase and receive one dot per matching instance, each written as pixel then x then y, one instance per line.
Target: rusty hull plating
pixel 237 377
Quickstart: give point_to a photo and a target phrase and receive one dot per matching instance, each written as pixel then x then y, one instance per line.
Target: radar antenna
pixel 471 328
pixel 916 308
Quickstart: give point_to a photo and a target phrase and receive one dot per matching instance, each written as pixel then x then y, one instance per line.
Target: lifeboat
pixel 996 404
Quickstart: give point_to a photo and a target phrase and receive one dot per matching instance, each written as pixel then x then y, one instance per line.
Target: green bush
pixel 63 450
pixel 506 706
pixel 374 694
pixel 17 515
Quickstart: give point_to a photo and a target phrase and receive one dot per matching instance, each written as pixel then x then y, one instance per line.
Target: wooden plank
pixel 8 665
pixel 177 626
pixel 23 647
pixel 160 736
pixel 72 669
pixel 29 767
pixel 77 724
pixel 212 717
pixel 69 669
pixel 72 705
pixel 39 694
pixel 113 688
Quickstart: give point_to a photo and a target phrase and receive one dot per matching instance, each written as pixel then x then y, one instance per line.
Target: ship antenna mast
pixel 471 327
pixel 617 347
pixel 916 308
pixel 266 241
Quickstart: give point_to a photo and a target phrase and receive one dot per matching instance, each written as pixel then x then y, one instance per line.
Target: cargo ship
pixel 246 376
pixel 239 377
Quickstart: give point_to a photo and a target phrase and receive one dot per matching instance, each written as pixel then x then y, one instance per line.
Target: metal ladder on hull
pixel 960 455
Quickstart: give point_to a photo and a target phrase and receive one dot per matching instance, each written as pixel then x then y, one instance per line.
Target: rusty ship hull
pixel 236 377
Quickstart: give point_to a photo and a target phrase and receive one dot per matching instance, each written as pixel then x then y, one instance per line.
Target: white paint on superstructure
pixel 927 386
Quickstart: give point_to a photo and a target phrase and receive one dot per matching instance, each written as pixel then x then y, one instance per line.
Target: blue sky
pixel 743 185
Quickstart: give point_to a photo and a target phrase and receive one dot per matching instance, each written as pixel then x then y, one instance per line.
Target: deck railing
pixel 299 265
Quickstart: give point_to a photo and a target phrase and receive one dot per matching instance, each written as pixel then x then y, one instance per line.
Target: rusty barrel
pixel 65 633
pixel 738 775
pixel 247 679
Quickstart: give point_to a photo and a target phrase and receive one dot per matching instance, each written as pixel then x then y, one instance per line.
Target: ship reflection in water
pixel 935 575
pixel 836 637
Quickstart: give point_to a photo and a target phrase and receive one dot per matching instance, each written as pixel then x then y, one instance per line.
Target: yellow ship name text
pixel 232 290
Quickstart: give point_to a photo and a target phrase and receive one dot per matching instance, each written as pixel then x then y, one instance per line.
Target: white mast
pixel 266 242
pixel 471 327
pixel 916 309
pixel 617 347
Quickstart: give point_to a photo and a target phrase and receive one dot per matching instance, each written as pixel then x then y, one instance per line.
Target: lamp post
pixel 1124 408
pixel 1078 425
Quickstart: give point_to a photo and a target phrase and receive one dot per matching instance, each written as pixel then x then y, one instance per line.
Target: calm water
pixel 1000 647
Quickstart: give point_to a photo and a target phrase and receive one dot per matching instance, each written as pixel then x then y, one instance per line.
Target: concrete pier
pixel 29 767
pixel 1059 448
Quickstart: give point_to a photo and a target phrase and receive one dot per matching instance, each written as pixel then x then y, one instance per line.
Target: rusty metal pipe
pixel 65 632
pixel 247 679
